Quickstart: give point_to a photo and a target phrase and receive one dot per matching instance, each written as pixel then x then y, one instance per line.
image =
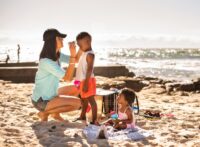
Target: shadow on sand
pixel 62 134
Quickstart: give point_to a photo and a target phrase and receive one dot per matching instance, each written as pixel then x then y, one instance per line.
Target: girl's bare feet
pixel 79 118
pixel 57 116
pixel 95 123
pixel 43 116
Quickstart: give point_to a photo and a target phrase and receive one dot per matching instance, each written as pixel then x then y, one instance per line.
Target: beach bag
pixel 110 103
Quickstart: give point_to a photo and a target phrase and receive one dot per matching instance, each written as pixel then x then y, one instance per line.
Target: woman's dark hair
pixel 49 50
pixel 49 47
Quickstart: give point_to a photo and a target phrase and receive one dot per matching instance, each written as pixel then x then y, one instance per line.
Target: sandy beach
pixel 20 126
pixel 149 46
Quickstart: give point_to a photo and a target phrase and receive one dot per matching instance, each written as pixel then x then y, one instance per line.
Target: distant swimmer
pixel 7 58
pixel 18 53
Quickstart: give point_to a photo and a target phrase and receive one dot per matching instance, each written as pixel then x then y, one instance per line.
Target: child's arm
pixel 90 64
pixel 108 122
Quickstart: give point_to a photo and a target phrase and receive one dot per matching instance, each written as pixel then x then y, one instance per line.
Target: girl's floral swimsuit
pixel 123 116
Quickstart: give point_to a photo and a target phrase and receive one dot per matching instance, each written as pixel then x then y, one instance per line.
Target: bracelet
pixel 72 59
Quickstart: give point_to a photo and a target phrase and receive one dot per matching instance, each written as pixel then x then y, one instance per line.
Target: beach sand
pixel 20 126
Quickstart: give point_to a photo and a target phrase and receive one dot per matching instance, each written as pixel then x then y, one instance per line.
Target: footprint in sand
pixel 164 134
pixel 141 123
pixel 184 140
pixel 32 113
pixel 165 101
pixel 13 130
pixel 186 125
pixel 187 134
pixel 3 124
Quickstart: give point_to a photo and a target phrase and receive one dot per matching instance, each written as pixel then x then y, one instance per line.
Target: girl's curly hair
pixel 129 95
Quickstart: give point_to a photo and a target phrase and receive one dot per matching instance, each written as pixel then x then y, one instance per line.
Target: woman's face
pixel 59 43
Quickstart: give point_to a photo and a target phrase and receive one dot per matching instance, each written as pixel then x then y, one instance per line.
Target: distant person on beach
pixel 7 58
pixel 85 79
pixel 47 96
pixel 18 53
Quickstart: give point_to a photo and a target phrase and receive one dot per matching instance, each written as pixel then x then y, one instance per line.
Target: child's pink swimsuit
pixel 123 116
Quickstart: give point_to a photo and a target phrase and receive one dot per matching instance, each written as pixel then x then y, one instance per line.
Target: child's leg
pixel 94 108
pixel 109 122
pixel 120 126
pixel 84 108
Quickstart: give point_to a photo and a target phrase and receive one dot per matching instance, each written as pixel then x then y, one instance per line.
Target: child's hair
pixel 82 35
pixel 129 95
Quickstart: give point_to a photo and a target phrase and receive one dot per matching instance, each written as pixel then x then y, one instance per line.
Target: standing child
pixel 85 79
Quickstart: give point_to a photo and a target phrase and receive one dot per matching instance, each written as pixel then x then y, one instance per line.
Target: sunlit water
pixel 179 64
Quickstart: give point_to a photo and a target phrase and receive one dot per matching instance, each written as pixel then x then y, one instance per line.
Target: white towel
pixel 92 133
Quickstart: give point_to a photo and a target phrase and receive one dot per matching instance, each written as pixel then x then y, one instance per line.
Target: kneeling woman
pixel 47 97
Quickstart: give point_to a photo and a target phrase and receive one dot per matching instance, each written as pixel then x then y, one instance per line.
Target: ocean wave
pixel 163 53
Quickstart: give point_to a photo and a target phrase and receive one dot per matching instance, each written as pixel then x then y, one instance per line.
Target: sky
pixel 112 23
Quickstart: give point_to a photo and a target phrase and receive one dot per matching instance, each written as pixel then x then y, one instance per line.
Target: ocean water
pixel 181 64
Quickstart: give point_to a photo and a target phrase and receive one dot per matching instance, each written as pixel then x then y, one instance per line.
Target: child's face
pixel 84 44
pixel 121 99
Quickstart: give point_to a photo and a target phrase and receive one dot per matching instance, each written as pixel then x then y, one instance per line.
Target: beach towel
pixel 92 133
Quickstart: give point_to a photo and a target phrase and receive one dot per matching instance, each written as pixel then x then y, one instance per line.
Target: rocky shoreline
pixel 138 83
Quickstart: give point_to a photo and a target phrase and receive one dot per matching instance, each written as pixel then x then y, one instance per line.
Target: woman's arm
pixel 70 70
pixel 74 58
pixel 64 58
pixel 77 55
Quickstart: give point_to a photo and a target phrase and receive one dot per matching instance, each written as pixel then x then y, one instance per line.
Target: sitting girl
pixel 126 118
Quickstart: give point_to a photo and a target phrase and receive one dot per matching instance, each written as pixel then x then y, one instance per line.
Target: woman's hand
pixel 72 49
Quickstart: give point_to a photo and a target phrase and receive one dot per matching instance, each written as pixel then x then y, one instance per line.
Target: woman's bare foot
pixel 57 116
pixel 43 116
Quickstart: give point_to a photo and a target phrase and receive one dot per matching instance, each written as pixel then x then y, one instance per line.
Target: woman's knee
pixel 72 101
pixel 62 102
pixel 68 90
pixel 78 103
